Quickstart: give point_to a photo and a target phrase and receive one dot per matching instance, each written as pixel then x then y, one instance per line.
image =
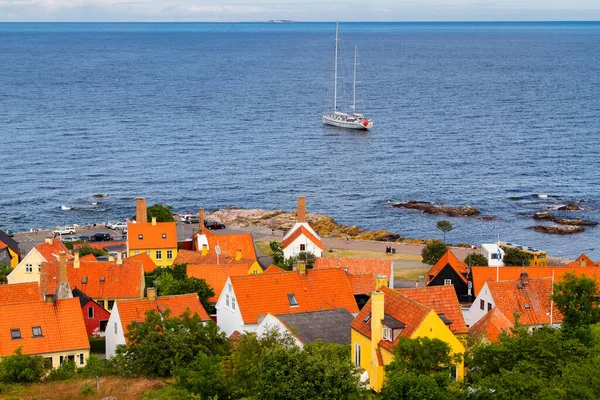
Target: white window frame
pixel 29 268
pixel 81 359
pixel 158 254
pixel 233 304
pixel 169 254
pixel 386 333
pixel 447 282
pixel 227 302
pixel 357 354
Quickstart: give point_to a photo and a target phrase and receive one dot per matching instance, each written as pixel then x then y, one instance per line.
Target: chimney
pixel 301 268
pixel 76 263
pixel 204 249
pixel 111 258
pixel 301 209
pixel 153 221
pixel 151 293
pixel 238 255
pixel 119 258
pixel 50 298
pixel 377 315
pixel 141 215
pixel 48 240
pixel 380 281
pixel 201 221
pixel 63 290
pixel 524 278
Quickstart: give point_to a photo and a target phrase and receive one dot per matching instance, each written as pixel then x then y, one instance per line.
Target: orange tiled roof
pixel 120 281
pixel 20 292
pixel 216 275
pixel 268 293
pixel 152 236
pixel 196 257
pixel 3 245
pixel 531 301
pixel 230 243
pixel 273 269
pixel 491 325
pixel 357 266
pixel 442 300
pixel 397 306
pixel 51 251
pixel 301 230
pixel 61 323
pixel 135 310
pixel 448 259
pixel 583 261
pixel 88 257
pixel 146 261
pixel 362 284
pixel 483 274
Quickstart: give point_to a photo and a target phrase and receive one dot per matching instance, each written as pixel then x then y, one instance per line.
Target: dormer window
pixel 164 235
pixel 15 333
pixel 391 328
pixel 292 300
pixel 140 236
pixel 36 331
pixel 387 333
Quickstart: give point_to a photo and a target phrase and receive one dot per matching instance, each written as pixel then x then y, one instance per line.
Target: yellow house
pixel 157 239
pixel 387 316
pixel 28 270
pixel 9 250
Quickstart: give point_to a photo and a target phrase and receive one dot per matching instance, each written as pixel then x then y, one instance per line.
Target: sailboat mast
pixel 336 70
pixel 354 86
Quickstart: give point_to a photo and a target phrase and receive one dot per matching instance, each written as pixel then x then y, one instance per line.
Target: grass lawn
pixel 264 248
pixel 409 273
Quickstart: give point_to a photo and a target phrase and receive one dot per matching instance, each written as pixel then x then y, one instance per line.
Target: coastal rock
pixel 548 216
pixel 569 207
pixel 558 229
pixel 487 218
pixel 432 208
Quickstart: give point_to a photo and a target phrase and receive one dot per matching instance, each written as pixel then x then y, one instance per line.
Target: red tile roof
pixel 362 284
pixel 301 230
pixel 120 281
pixel 357 266
pixel 491 325
pixel 531 300
pixel 583 261
pixel 51 251
pixel 216 275
pixel 3 245
pixel 448 259
pixel 196 257
pixel 146 261
pixel 152 236
pixel 442 300
pixel 20 292
pixel 268 293
pixel 273 269
pixel 61 323
pixel 89 257
pixel 397 306
pixel 483 274
pixel 135 310
pixel 230 243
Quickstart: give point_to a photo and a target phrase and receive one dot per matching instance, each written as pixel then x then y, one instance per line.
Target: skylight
pixel 292 300
pixel 367 318
pixel 15 333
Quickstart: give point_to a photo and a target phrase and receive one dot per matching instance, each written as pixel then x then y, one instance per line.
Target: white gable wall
pixel 19 274
pixel 114 332
pixel 229 317
pixel 273 323
pixel 294 248
pixel 475 313
pixel 297 225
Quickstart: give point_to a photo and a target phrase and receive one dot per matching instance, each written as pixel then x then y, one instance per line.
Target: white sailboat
pixel 341 119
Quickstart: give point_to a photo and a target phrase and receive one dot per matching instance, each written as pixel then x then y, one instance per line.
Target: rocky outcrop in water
pixel 432 208
pixel 569 207
pixel 558 229
pixel 548 216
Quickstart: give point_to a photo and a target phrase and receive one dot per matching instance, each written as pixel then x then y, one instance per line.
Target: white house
pixel 28 270
pixel 114 333
pixel 493 253
pixel 301 238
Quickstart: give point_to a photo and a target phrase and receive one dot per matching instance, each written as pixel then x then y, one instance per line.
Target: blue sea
pixel 229 114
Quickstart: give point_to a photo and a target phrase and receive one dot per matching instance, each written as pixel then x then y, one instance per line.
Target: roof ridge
pixel 392 291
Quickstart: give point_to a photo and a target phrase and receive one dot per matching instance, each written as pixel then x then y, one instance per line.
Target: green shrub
pixel 87 391
pixel 169 393
pixel 21 368
pixel 65 371
pixel 95 366
pixel 97 345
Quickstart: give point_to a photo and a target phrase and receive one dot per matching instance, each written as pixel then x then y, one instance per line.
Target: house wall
pixel 14 258
pixel 229 319
pixel 19 274
pixel 163 262
pixel 371 366
pixel 255 269
pixel 114 332
pixel 92 325
pixel 475 313
pixel 273 323
pixel 461 288
pixel 294 247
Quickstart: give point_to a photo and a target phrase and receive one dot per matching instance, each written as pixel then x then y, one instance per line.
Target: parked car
pixel 69 239
pixel 119 225
pixel 110 223
pixel 101 237
pixel 65 230
pixel 85 238
pixel 213 225
pixel 184 217
pixel 192 219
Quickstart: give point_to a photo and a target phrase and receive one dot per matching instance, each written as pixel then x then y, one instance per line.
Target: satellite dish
pixel 218 249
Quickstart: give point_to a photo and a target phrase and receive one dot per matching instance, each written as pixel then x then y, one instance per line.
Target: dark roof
pixel 10 242
pixel 392 322
pixel 327 325
pixel 83 298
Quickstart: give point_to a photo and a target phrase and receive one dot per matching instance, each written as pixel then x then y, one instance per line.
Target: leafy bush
pixel 433 251
pixel 95 366
pixel 87 249
pixel 204 376
pixel 87 391
pixel 22 368
pixel 277 249
pixel 97 345
pixel 173 281
pixel 162 213
pixel 169 393
pixel 66 371
pixel 476 260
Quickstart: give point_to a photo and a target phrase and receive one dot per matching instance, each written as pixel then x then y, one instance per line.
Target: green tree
pixel 204 377
pixel 576 299
pixel 516 257
pixel 476 260
pixel 444 226
pixel 433 251
pixel 304 256
pixel 4 271
pixel 22 368
pixel 87 249
pixel 163 213
pixel 175 281
pixel 277 249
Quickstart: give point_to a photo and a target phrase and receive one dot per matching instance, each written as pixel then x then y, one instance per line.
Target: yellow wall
pixel 375 371
pixel 56 357
pixel 152 253
pixel 18 275
pixel 255 269
pixel 14 258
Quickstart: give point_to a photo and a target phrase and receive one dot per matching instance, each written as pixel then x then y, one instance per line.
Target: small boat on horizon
pixel 352 120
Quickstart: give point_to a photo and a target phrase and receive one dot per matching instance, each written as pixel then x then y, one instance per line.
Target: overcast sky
pixel 304 10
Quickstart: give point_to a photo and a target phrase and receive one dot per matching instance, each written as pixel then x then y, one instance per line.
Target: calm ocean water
pixel 220 115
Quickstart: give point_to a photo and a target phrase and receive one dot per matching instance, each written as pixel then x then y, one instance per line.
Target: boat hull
pixel 363 125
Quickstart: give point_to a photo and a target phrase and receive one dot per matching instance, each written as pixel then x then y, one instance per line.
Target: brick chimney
pixel 119 257
pixel 201 221
pixel 153 221
pixel 141 214
pixel 63 290
pixel 301 209
pixel 76 262
pixel 380 281
pixel 238 255
pixel 111 258
pixel 524 278
pixel 48 240
pixel 151 293
pixel 301 268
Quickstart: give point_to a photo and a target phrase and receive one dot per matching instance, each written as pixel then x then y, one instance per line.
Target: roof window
pixel 36 331
pixel 164 235
pixel 15 333
pixel 292 300
pixel 84 280
pixel 102 279
pixel 140 236
pixel 367 318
